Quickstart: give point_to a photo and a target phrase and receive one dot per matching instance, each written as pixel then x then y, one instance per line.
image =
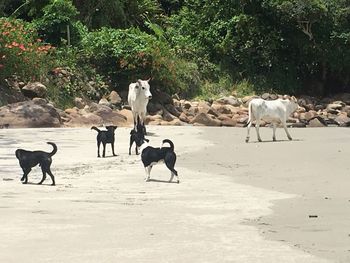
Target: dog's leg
pixel 51 175
pixel 136 150
pixel 113 149
pixel 104 149
pixel 25 175
pixel 130 144
pixel 98 148
pixel 148 172
pixel 43 169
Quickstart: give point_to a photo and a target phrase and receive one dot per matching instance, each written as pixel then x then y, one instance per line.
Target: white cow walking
pixel 138 97
pixel 273 111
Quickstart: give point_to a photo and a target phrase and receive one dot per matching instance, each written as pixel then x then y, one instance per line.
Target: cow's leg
pixel 248 131
pixel 274 131
pixel 284 123
pixel 134 115
pixel 257 125
pixel 143 117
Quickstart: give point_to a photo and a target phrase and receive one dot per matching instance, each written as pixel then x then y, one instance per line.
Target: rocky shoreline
pixel 36 111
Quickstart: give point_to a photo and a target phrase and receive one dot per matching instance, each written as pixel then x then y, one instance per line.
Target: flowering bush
pixel 22 53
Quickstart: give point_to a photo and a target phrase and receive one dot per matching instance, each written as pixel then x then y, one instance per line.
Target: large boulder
pixel 94 114
pixel 205 119
pixel 30 114
pixel 34 89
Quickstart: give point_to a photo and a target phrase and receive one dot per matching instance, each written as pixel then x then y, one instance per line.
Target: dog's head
pixel 138 137
pixel 111 128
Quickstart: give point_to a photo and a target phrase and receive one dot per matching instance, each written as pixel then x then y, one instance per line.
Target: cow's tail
pixel 250 116
pixel 170 143
pixel 95 128
pixel 54 148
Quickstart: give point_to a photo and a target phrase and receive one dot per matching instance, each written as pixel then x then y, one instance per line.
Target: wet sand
pixel 313 168
pixel 223 210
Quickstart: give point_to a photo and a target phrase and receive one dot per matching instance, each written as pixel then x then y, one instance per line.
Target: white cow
pixel 138 97
pixel 273 111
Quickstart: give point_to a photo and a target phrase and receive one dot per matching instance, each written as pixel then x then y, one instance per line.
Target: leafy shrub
pixel 22 53
pixel 58 15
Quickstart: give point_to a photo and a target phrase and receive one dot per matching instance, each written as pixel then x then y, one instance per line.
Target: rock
pixel 205 119
pixel 154 117
pixel 186 105
pixel 30 114
pixel 114 98
pixel 343 120
pixel 104 102
pixel 79 103
pixel 230 100
pixel 334 106
pixel 265 96
pixel 128 115
pixel 153 107
pixel 161 97
pixel 34 89
pixel 298 125
pixel 86 120
pixel 229 122
pixel 167 116
pixel 347 110
pixel 317 122
pixel 184 118
pixel 172 109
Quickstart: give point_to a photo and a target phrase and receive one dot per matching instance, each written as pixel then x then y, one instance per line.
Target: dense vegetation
pixel 189 47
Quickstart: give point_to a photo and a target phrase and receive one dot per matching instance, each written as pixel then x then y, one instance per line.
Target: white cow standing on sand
pixel 273 111
pixel 138 97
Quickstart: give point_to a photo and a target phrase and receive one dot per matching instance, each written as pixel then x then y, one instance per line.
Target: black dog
pixel 137 135
pixel 29 159
pixel 151 156
pixel 105 137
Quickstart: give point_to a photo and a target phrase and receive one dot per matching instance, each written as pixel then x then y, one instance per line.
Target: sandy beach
pixel 236 202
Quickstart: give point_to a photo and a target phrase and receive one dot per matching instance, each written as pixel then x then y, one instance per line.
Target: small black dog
pixel 29 159
pixel 137 135
pixel 151 156
pixel 105 137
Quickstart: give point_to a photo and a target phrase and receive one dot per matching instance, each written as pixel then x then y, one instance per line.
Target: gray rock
pixel 230 100
pixel 30 114
pixel 34 89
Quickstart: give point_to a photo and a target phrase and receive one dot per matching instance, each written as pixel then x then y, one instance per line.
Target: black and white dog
pixel 151 156
pixel 29 159
pixel 105 137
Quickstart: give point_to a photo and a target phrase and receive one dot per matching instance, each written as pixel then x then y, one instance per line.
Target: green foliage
pixel 21 51
pixel 189 47
pixel 57 17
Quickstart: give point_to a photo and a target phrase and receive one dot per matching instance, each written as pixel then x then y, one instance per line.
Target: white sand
pixel 102 211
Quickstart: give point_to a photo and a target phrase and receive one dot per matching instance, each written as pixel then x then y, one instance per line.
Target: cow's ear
pixel 138 83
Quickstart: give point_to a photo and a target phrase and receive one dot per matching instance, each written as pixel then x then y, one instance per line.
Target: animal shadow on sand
pixel 277 141
pixel 162 181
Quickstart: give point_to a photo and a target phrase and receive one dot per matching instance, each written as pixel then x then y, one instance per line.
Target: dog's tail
pixel 95 128
pixel 54 148
pixel 170 142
